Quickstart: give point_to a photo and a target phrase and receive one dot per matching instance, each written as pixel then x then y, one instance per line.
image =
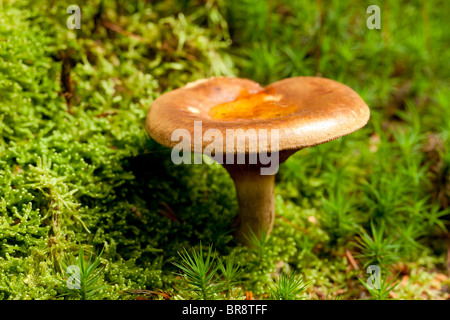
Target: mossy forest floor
pixel 78 170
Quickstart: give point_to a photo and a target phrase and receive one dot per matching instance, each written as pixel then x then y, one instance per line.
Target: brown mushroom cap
pixel 306 110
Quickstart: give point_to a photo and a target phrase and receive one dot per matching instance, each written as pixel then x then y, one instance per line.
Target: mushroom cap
pixel 307 111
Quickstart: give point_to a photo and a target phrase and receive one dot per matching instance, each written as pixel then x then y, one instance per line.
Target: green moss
pixel 77 166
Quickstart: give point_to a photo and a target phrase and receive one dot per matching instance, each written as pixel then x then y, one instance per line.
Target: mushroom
pixel 253 127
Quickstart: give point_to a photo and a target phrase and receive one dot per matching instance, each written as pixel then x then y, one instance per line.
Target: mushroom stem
pixel 256 199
